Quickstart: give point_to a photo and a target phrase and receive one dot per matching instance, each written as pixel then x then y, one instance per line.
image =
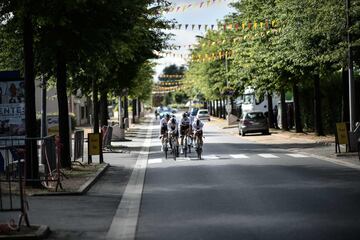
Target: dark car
pixel 252 122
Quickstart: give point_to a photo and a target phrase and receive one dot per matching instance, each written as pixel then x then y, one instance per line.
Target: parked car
pixel 203 114
pixel 252 122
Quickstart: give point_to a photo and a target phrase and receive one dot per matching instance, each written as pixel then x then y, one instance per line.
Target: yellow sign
pixel 94 143
pixel 342 133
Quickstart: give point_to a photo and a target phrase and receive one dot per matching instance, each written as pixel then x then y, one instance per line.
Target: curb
pixel 41 233
pixel 83 188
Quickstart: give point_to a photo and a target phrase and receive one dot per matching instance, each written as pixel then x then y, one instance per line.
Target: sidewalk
pixel 93 208
pixel 317 146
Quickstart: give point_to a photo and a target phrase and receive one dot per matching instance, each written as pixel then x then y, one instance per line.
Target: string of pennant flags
pixel 171 76
pixel 267 24
pixel 209 43
pixel 160 89
pixel 172 84
pixel 202 4
pixel 197 57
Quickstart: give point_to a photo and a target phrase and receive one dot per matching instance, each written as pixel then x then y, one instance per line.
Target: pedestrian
pixel 275 115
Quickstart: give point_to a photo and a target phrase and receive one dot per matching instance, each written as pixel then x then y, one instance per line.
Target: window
pixel 255 116
pixel 248 99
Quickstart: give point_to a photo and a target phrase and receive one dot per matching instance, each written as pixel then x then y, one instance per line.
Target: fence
pixel 107 136
pixel 79 145
pixel 16 170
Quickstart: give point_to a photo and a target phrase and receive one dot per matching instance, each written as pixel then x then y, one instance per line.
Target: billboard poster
pixel 12 108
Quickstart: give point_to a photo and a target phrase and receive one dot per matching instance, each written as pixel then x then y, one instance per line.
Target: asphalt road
pixel 243 190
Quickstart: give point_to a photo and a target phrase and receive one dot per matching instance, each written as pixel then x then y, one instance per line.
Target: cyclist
pixel 185 127
pixel 173 126
pixel 197 127
pixel 164 126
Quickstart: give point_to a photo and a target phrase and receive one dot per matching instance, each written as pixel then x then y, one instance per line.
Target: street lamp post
pixel 350 70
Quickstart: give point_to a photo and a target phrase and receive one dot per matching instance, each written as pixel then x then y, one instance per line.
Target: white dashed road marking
pixel 268 155
pixel 210 157
pixel 155 160
pixel 239 156
pixel 296 155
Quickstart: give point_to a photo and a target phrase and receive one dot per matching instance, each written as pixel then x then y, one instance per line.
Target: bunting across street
pixel 251 25
pixel 197 5
pixel 171 76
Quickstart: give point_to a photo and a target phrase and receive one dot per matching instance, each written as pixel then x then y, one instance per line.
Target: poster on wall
pixel 12 107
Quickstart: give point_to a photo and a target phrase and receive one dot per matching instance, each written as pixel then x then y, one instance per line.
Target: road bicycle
pixel 189 140
pixel 173 143
pixel 187 143
pixel 164 143
pixel 199 143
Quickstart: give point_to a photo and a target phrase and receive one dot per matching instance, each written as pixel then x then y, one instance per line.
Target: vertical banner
pixel 12 106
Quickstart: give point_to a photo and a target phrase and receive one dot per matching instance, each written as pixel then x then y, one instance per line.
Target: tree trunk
pixel 138 108
pixel 270 111
pixel 345 96
pixel 217 108
pixel 104 108
pixel 317 107
pixel 221 108
pixel 284 122
pixel 134 110
pixel 297 112
pixel 210 108
pixel 95 91
pixel 61 84
pixel 224 109
pixel 126 106
pixel 32 166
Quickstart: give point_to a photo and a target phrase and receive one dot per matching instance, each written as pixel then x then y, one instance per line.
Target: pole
pixel 350 69
pixel 229 107
pixel 43 108
pixel 43 118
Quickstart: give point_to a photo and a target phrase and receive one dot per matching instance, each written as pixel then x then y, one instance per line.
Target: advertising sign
pixel 342 133
pixel 12 108
pixel 94 144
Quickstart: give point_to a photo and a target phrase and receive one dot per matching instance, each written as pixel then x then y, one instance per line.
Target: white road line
pixel 182 159
pixel 297 155
pixel 155 160
pixel 266 155
pixel 210 157
pixel 125 221
pixel 238 156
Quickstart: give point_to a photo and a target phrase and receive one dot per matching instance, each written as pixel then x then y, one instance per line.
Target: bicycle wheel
pixel 165 151
pixel 189 143
pixel 185 147
pixel 174 149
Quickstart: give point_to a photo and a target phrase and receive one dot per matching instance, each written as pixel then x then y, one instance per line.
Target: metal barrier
pixel 107 136
pixel 79 145
pixel 13 170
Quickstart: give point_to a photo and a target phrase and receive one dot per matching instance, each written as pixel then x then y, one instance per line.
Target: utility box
pixel 354 138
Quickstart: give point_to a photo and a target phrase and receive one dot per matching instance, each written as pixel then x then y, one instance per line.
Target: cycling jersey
pixel 196 126
pixel 185 122
pixel 172 126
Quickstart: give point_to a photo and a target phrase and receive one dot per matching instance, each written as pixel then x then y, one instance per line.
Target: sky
pixel 193 15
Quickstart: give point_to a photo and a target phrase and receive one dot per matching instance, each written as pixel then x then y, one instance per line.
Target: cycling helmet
pixel 173 121
pixel 167 116
pixel 185 115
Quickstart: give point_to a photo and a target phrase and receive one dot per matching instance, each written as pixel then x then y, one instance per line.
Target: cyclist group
pixel 188 127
